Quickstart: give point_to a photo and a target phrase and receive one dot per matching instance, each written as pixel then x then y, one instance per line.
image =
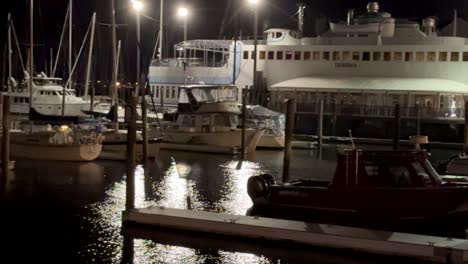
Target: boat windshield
pixel 46 82
pixel 209 94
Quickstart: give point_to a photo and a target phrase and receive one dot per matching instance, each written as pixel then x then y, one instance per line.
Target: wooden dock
pixel 439 249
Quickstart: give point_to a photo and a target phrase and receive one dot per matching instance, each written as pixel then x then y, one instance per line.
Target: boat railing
pixel 415 112
pixel 188 62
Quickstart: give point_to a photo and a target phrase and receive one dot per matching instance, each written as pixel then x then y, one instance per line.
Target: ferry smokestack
pixel 300 19
pixel 373 7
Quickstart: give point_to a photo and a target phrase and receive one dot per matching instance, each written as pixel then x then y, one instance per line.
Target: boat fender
pixel 258 187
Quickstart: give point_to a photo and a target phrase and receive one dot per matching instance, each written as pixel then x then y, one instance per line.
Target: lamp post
pixel 183 13
pixel 254 4
pixel 138 6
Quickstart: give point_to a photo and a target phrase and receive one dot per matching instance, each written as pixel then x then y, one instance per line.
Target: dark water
pixel 59 212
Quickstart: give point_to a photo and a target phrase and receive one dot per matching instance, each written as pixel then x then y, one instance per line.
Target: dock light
pixel 63 128
pixel 182 11
pixel 253 2
pixel 117 84
pixel 137 5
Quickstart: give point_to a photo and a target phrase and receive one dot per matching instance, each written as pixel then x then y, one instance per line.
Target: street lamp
pixel 254 4
pixel 137 5
pixel 183 12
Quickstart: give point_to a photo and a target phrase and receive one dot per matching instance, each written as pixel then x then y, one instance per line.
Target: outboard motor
pixel 258 188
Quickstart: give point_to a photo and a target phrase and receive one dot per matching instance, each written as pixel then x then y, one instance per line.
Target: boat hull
pixel 118 150
pixel 20 150
pixel 271 142
pixel 216 142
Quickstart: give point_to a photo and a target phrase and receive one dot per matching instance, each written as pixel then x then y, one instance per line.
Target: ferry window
pixel 454 56
pixel 431 56
pixel 279 34
pixel 346 55
pixel 42 92
pixel 289 55
pixel 397 56
pixel 21 100
pixel 306 55
pixel 316 55
pixel 15 100
pixel 387 56
pixel 173 93
pixel 279 55
pixel 26 100
pixel 356 55
pixel 271 55
pixel 366 56
pixel 326 55
pixel 167 91
pixel 419 56
pixel 252 55
pixel 465 56
pixel 297 55
pixel 336 55
pixel 246 55
pixel 443 56
pixel 377 56
pixel 408 56
pixel 262 55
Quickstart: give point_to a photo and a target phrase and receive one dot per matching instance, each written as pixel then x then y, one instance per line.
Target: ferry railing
pixel 188 62
pixel 448 113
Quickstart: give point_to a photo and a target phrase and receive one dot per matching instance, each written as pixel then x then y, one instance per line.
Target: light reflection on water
pixel 92 195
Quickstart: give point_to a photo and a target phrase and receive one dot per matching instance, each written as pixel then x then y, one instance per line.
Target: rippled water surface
pixel 59 212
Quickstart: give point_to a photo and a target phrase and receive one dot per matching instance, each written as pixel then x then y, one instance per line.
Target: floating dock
pixel 439 249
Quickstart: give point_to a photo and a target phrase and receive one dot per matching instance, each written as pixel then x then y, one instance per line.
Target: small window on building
pixel 252 55
pixel 316 55
pixel 397 56
pixel 279 55
pixel 306 55
pixel 297 55
pixel 377 56
pixel 419 56
pixel 408 56
pixel 431 56
pixel 262 55
pixel 356 55
pixel 346 55
pixel 271 55
pixel 387 56
pixel 443 55
pixel 289 55
pixel 326 55
pixel 454 56
pixel 465 56
pixel 366 56
pixel 246 55
pixel 336 55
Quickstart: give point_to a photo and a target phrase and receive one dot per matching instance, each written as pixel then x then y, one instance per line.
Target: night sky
pixel 205 22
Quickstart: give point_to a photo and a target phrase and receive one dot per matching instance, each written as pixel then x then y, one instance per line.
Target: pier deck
pixel 439 249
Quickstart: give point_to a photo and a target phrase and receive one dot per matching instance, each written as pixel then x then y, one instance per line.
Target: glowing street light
pixel 137 5
pixel 182 12
pixel 253 2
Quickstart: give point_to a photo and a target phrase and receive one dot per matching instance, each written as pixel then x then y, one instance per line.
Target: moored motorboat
pixel 115 146
pixel 393 190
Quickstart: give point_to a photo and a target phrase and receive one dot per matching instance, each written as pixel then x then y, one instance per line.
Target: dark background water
pixel 62 212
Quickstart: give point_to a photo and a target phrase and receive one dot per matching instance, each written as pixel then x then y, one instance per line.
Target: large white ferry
pixel 363 66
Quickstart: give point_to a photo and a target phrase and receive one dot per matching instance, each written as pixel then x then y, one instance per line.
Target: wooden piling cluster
pixel 290 118
pixel 6 136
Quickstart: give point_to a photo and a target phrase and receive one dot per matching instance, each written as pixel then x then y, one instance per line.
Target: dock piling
pixel 131 161
pixel 144 116
pixel 244 115
pixel 397 128
pixel 290 118
pixel 465 143
pixel 320 130
pixel 6 136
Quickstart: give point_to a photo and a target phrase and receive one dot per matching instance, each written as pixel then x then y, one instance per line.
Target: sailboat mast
pixel 31 50
pixel 10 51
pixel 115 97
pixel 70 36
pixel 161 30
pixel 90 55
